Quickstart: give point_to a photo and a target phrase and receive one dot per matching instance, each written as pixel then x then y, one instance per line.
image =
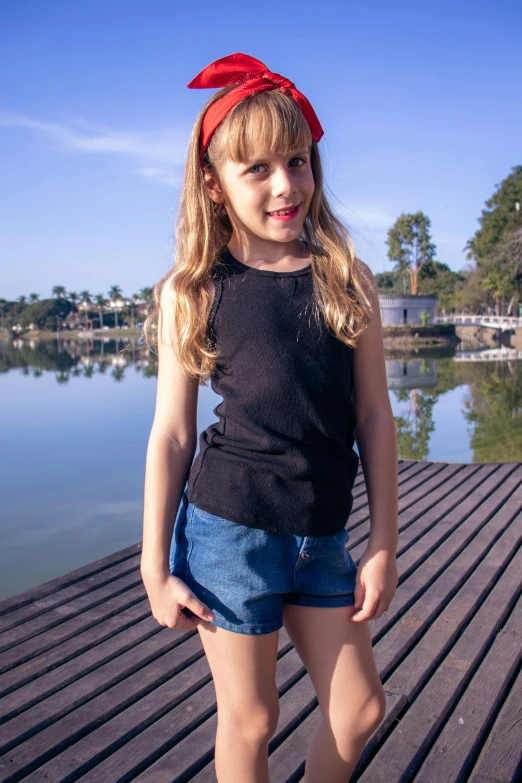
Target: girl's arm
pixel 377 445
pixel 170 451
pixel 171 448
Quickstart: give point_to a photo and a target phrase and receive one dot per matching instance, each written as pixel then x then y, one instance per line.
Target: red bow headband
pixel 251 76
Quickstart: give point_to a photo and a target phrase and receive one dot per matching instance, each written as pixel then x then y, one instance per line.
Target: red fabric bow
pixel 251 76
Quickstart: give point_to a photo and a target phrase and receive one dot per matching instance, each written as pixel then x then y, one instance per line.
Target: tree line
pixel 493 277
pixel 72 310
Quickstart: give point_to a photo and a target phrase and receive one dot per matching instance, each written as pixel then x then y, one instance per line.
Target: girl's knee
pixel 375 711
pixel 256 724
pixel 360 723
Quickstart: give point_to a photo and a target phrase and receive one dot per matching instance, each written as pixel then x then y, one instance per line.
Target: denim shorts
pixel 245 575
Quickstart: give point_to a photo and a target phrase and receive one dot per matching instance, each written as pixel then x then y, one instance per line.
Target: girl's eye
pixel 251 170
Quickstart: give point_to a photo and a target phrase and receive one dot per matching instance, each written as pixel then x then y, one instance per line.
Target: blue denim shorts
pixel 245 575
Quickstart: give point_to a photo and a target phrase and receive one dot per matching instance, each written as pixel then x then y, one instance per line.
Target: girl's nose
pixel 282 183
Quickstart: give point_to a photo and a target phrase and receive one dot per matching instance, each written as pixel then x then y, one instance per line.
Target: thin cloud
pixel 370 216
pixel 157 174
pixel 167 147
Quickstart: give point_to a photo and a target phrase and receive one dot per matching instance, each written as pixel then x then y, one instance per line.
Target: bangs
pixel 266 122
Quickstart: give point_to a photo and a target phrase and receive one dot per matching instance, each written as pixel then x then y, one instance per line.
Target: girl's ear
pixel 212 186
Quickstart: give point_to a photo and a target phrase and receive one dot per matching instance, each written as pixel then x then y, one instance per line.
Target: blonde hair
pixel 341 281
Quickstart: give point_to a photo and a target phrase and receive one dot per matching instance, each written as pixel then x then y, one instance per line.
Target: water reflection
pixel 77 359
pixel 419 382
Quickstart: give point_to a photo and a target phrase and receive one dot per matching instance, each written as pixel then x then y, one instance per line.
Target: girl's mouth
pixel 284 214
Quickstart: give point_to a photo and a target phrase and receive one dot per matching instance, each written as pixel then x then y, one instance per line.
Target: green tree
pixel 115 296
pixel 100 304
pixel 410 246
pixel 501 215
pixel 47 314
pixel 59 291
pixel 85 298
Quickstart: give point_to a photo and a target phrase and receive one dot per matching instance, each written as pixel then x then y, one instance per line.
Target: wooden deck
pixel 93 689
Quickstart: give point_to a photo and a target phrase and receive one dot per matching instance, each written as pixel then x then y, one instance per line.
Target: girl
pixel 267 299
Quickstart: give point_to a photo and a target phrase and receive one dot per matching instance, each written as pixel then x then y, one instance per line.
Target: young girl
pixel 267 299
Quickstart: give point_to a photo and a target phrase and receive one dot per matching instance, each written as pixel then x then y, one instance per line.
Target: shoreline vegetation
pixel 397 336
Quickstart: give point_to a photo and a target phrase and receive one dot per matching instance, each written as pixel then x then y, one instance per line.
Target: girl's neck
pixel 277 254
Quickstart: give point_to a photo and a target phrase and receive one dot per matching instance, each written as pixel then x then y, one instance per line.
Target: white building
pixel 397 309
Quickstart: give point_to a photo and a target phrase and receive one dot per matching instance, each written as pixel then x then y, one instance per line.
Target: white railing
pixel 493 321
pixel 488 355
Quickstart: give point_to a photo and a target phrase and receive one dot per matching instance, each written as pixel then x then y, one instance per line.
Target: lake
pixel 76 418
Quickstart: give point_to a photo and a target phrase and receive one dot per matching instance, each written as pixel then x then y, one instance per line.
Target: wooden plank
pixel 415 474
pixel 197 748
pixel 155 740
pixel 405 749
pixel 458 534
pixel 412 648
pixel 287 762
pixel 457 746
pixel 8 605
pixel 410 487
pixel 427 504
pixel 86 649
pixel 359 512
pixel 427 590
pixel 83 614
pixel 22 620
pixel 500 759
pixel 91 700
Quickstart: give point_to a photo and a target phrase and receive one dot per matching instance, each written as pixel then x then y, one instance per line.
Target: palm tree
pixel 34 297
pixel 85 298
pixel 58 291
pixel 136 301
pixel 115 296
pixel 22 299
pixel 73 298
pixel 146 293
pixel 100 303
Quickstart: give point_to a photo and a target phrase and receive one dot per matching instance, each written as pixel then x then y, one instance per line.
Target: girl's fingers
pixel 359 594
pixel 368 608
pixel 380 609
pixel 197 607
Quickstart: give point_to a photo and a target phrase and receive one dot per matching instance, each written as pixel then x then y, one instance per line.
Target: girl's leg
pixel 243 668
pixel 339 659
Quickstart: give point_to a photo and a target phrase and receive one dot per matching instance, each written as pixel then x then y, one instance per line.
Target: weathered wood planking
pixel 92 688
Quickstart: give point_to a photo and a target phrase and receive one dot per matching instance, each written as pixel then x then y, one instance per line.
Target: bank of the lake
pixel 438 335
pixel 75 334
pixel 413 335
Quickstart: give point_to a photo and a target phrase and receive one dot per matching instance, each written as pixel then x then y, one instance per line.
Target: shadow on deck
pixel 92 688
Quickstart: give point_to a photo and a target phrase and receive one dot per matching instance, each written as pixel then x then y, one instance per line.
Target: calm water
pixel 75 420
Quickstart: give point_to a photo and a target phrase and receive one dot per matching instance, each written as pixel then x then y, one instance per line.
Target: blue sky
pixel 420 103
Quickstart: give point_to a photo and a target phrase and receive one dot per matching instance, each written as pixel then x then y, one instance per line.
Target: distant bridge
pixel 488 355
pixel 502 322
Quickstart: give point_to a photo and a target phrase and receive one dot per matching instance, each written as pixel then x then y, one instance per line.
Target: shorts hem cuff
pixel 327 602
pixel 245 628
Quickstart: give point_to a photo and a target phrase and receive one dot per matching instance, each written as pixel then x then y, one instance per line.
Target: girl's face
pixel 255 192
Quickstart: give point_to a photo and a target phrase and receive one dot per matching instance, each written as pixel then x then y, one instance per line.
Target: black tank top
pixel 280 457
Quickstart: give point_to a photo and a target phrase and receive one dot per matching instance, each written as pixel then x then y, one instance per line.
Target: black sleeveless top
pixel 280 457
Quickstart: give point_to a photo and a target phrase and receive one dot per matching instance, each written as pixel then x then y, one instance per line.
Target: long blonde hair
pixel 203 229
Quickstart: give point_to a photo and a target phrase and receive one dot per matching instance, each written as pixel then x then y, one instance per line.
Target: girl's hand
pixel 173 604
pixel 376 583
